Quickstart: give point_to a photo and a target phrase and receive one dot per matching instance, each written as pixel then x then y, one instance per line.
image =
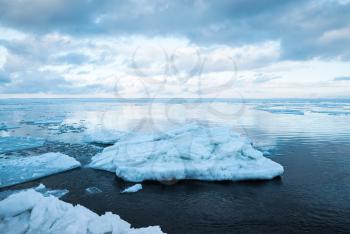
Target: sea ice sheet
pixel 31 212
pixel 12 143
pixel 194 151
pixel 21 169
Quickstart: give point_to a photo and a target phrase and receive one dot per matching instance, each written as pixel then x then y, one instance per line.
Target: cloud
pixel 336 35
pixel 342 78
pixel 170 48
pixel 72 58
pixel 4 78
pixel 299 25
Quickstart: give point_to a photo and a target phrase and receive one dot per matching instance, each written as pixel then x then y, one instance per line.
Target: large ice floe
pixel 21 169
pixel 194 151
pixel 30 212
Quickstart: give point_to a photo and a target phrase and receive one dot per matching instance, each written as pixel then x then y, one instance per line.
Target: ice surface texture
pixel 21 169
pixel 195 151
pixel 10 143
pixel 31 212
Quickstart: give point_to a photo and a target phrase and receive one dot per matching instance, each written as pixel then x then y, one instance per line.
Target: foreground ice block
pixel 31 212
pixel 194 151
pixel 11 143
pixel 21 169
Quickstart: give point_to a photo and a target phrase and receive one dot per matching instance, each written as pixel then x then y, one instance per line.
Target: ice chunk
pixel 40 188
pixel 93 190
pixel 11 143
pixel 21 169
pixel 51 192
pixel 31 212
pixel 132 189
pixel 48 122
pixel 196 151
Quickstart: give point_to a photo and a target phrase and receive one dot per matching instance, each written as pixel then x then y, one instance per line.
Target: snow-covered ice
pixel 21 169
pixel 40 188
pixel 133 189
pixel 12 143
pixel 31 212
pixel 194 151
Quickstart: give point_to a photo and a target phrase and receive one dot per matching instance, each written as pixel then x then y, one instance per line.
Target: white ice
pixel 21 169
pixel 103 137
pixel 31 212
pixel 40 188
pixel 12 143
pixel 133 189
pixel 194 151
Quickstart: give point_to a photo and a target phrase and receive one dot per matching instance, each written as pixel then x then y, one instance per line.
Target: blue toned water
pixel 310 138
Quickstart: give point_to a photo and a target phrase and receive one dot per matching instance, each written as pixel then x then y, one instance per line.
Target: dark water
pixel 312 196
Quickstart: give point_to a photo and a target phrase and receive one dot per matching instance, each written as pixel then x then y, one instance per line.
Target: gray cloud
pixel 40 82
pixel 263 78
pixel 4 78
pixel 298 24
pixel 73 58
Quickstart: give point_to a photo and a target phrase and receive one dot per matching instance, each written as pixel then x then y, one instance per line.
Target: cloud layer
pixel 174 48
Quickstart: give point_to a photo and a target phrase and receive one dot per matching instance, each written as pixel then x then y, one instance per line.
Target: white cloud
pixel 140 66
pixel 341 34
pixel 3 55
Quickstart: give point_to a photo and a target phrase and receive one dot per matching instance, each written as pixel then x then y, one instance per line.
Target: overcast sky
pixel 159 48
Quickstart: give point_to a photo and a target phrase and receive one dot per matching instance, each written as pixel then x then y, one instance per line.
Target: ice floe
pixel 273 110
pixel 43 122
pixel 21 169
pixel 40 188
pixel 103 137
pixel 133 189
pixel 194 151
pixel 12 143
pixel 93 190
pixel 31 212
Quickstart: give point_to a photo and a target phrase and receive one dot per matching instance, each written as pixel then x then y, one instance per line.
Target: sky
pixel 175 49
